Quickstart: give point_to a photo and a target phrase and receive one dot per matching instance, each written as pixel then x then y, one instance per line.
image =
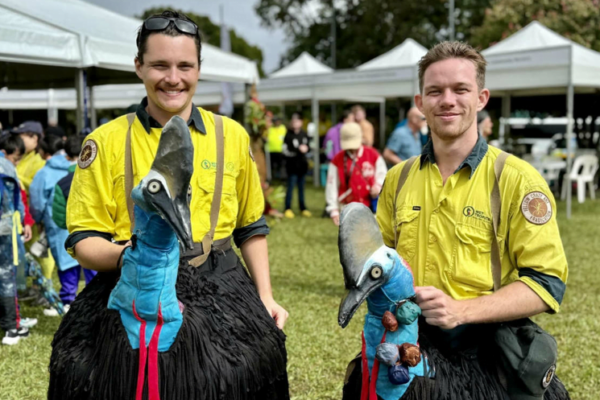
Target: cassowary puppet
pixel 160 328
pixel 397 360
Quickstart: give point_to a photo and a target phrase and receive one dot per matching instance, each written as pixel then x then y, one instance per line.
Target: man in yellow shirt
pixel 218 321
pixel 442 217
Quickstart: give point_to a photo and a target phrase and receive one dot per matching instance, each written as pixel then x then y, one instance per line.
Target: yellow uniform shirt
pixel 275 138
pixel 445 231
pixel 97 200
pixel 29 165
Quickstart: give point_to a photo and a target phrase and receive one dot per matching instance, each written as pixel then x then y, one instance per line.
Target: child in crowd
pixel 12 214
pixel 42 191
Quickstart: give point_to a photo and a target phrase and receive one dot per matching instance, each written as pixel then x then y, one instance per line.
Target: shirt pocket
pixel 407 230
pixel 471 262
pixel 229 206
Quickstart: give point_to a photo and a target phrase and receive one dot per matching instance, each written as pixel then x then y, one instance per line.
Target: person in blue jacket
pixel 41 193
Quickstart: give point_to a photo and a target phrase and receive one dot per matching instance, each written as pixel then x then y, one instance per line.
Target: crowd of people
pixel 36 168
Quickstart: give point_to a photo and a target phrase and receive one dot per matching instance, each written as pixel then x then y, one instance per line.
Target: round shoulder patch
pixel 548 376
pixel 536 208
pixel 89 151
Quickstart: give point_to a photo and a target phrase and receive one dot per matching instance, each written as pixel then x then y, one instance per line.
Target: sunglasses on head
pixel 161 23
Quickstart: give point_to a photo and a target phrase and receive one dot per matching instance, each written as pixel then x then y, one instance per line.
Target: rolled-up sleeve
pixel 250 221
pixel 91 206
pixel 535 246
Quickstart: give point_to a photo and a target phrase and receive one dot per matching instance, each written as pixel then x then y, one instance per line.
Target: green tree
pixel 211 33
pixel 365 28
pixel 578 20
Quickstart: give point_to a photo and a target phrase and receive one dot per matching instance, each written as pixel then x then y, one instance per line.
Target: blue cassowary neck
pixel 152 230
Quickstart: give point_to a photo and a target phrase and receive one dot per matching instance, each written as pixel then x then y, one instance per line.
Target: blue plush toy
pixel 378 274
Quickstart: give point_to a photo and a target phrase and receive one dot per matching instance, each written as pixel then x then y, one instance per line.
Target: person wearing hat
pixel 355 174
pixel 31 133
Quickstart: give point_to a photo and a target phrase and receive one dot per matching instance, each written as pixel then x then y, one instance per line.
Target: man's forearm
pixel 514 301
pixel 98 254
pixel 256 256
pixel 391 157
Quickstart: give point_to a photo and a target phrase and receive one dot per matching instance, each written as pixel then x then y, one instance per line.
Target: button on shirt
pixel 405 143
pixel 445 230
pixel 97 201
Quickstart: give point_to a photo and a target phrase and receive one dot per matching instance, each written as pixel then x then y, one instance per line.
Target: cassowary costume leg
pixel 402 357
pixel 162 328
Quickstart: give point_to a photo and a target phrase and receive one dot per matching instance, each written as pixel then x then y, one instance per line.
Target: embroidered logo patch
pixel 89 151
pixel 536 208
pixel 548 376
pixel 468 211
pixel 230 166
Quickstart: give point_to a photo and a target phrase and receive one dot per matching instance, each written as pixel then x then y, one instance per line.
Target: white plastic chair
pixel 583 171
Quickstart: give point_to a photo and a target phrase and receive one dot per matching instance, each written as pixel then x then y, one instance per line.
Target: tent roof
pixel 75 34
pixel 305 64
pixel 537 58
pixel 536 36
pixel 408 53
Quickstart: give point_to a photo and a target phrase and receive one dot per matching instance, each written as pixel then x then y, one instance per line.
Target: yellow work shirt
pixel 445 230
pixel 29 165
pixel 97 200
pixel 275 137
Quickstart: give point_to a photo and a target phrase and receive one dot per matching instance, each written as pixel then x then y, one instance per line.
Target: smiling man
pixel 230 344
pixel 438 211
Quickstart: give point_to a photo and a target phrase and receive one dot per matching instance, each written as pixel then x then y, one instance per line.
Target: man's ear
pixel 484 97
pixel 419 102
pixel 138 68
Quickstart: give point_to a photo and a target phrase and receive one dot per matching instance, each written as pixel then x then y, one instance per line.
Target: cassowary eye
pixel 376 272
pixel 154 187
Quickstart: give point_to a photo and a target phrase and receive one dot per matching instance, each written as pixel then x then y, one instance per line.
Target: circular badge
pixel 536 208
pixel 548 376
pixel 230 166
pixel 468 211
pixel 88 154
pixel 205 164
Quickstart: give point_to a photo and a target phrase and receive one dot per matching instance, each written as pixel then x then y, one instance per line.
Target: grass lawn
pixel 307 280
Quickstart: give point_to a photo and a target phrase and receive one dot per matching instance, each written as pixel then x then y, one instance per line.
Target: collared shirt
pixel 97 201
pixel 445 230
pixel 276 135
pixel 29 165
pixel 405 143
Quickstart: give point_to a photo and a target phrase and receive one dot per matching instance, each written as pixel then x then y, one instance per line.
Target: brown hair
pixel 356 108
pixel 446 50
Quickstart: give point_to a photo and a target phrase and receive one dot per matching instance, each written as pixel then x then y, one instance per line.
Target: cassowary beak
pixel 359 239
pixel 173 167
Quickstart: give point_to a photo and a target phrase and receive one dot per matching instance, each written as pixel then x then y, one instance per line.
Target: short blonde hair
pixel 446 50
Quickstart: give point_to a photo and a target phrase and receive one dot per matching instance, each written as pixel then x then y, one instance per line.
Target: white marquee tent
pixel 50 43
pixel 538 61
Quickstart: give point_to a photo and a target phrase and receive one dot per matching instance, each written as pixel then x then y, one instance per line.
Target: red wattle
pixel 143 355
pixel 153 389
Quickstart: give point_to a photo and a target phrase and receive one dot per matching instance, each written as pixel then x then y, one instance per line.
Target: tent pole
pixel 79 88
pixel 570 99
pixel 506 115
pixel 382 125
pixel 93 117
pixel 315 146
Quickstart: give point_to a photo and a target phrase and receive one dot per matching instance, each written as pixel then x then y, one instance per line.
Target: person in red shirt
pixel 355 174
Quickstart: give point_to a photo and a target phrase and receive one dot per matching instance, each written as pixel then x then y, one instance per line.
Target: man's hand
pixel 336 219
pixel 438 308
pixel 27 233
pixel 276 311
pixel 303 148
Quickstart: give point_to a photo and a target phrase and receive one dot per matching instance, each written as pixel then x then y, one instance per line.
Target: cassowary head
pixel 164 191
pixel 368 264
